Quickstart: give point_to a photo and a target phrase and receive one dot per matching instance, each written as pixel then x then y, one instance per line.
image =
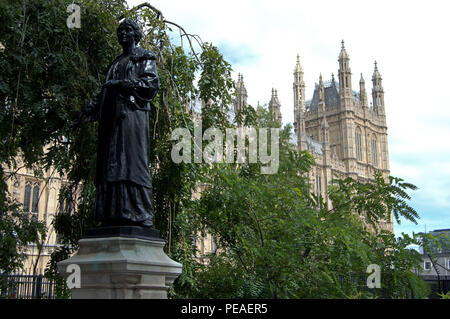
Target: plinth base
pixel 121 268
pixel 122 231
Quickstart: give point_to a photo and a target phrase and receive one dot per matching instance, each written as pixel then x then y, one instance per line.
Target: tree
pixel 276 239
pixel 51 70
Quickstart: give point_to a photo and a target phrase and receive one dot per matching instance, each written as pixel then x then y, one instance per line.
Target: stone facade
pixel 40 198
pixel 346 136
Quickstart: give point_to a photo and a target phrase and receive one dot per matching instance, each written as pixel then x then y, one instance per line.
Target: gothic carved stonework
pixel 344 111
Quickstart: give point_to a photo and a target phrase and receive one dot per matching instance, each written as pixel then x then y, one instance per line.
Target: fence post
pixel 38 287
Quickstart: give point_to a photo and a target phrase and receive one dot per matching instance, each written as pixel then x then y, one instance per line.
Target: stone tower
pixel 299 105
pixel 346 137
pixel 275 106
pixel 240 101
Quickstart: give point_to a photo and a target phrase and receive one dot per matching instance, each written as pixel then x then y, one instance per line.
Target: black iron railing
pixel 27 286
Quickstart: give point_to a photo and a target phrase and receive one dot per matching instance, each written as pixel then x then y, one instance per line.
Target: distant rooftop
pixel 316 145
pixel 331 90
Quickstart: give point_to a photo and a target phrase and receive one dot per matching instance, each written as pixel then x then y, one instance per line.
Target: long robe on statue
pixel 123 180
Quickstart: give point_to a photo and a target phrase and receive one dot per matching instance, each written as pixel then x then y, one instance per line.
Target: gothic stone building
pixel 346 135
pixel 40 199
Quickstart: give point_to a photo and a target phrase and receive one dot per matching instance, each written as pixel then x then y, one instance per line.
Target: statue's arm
pixel 146 83
pixel 91 109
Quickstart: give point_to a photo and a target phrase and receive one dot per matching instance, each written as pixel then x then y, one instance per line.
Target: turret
pixel 362 93
pixel 377 92
pixel 299 87
pixel 299 105
pixel 321 91
pixel 275 106
pixel 345 79
pixel 240 101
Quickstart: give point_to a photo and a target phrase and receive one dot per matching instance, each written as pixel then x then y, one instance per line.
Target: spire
pixel 345 79
pixel 362 92
pixel 343 54
pixel 299 105
pixel 321 91
pixel 240 101
pixel 376 73
pixel 298 66
pixel 275 106
pixel 377 91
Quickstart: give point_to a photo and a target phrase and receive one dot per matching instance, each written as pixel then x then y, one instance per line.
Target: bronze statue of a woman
pixel 123 180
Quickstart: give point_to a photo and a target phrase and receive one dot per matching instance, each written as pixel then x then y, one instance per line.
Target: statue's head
pixel 128 31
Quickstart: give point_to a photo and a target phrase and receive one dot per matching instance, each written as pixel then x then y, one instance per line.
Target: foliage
pixel 276 239
pixel 48 71
pixel 445 296
pixel 17 230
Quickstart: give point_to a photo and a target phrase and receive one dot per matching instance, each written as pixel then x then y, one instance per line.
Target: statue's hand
pixel 127 85
pixel 89 108
pixel 124 85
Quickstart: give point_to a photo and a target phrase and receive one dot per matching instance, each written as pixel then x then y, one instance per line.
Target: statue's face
pixel 125 34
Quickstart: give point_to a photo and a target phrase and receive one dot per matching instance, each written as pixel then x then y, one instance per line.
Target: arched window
pixel 318 185
pixel 34 206
pixel 358 144
pixel 374 151
pixel 27 198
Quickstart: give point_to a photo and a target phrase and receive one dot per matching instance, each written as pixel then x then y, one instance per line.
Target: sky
pixel 408 39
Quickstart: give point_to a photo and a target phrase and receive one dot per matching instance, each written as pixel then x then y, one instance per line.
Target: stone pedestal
pixel 127 266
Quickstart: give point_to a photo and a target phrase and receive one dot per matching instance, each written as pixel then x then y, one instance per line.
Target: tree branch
pixel 148 5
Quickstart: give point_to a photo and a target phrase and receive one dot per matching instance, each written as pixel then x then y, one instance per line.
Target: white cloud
pixel 408 39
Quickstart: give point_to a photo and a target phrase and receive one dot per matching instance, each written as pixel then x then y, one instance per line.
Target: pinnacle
pixel 376 73
pixel 343 54
pixel 298 66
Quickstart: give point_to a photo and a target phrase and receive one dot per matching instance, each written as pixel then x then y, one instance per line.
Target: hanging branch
pixel 148 5
pixel 161 18
pixel 188 38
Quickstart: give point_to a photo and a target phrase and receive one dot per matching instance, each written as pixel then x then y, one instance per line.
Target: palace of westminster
pixel 346 136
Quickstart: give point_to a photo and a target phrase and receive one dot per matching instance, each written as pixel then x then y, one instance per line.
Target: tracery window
pixel 374 152
pixel 318 185
pixel 358 144
pixel 27 198
pixel 34 207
